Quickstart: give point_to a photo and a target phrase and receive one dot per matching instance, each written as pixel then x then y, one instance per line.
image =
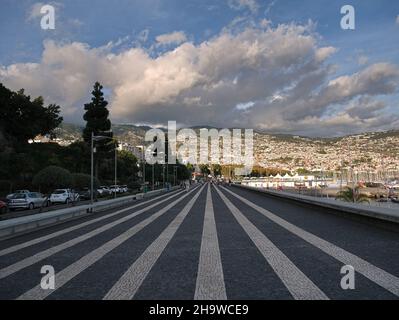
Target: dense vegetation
pixel 45 166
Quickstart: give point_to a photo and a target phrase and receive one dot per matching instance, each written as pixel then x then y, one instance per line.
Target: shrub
pixel 81 181
pixel 134 184
pixel 52 178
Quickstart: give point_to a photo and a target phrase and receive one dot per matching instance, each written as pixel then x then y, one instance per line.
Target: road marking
pixel 76 227
pixel 297 283
pixel 5 272
pixel 64 276
pixel 210 280
pixel 370 271
pixel 127 286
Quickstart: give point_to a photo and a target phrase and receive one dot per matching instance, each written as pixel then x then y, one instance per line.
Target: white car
pixel 103 191
pixel 29 201
pixel 115 189
pixel 63 196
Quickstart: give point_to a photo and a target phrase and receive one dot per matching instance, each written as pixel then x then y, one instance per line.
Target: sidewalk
pixel 386 214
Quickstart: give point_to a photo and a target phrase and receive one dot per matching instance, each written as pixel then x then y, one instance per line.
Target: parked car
pixel 63 196
pixel 114 189
pixel 17 192
pixel 124 189
pixel 103 191
pixel 3 207
pixel 29 201
pixel 85 194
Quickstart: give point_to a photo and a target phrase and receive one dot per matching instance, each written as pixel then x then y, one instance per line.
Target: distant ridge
pixel 68 129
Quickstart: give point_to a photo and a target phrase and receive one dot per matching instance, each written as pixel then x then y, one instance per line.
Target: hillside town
pixel 374 153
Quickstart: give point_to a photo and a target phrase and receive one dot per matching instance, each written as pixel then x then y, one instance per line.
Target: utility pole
pixel 175 173
pixel 153 177
pixel 92 173
pixel 163 175
pixel 96 138
pixel 116 168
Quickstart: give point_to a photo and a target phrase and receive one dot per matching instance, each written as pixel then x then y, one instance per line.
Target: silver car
pixel 29 201
pixel 17 192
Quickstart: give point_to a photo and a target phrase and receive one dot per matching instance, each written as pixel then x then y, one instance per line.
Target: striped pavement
pixel 210 280
pixel 223 242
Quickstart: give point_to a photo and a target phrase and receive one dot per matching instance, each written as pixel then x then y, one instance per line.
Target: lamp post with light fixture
pixel 99 138
pixel 143 165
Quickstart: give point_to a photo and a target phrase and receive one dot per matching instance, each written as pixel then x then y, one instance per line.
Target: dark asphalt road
pixel 209 243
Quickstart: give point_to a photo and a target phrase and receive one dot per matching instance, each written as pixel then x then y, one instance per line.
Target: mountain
pixel 367 151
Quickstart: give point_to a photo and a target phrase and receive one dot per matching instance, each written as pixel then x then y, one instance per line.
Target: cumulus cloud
pixel 324 53
pixel 276 79
pixel 252 5
pixel 362 60
pixel 365 108
pixel 176 37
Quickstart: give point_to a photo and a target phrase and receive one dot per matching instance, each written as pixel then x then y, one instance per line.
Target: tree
pixel 217 169
pixel 22 119
pixel 52 178
pixel 133 183
pixel 96 117
pixel 303 171
pixel 81 181
pixel 183 173
pixel 352 195
pixel 97 123
pixel 127 166
pixel 205 169
pixel 76 157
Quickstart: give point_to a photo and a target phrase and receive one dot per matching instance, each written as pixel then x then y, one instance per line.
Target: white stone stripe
pixel 64 276
pixel 73 228
pixel 370 271
pixel 127 286
pixel 297 283
pixel 5 272
pixel 210 280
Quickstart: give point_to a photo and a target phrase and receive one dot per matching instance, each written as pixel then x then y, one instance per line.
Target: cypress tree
pixel 96 118
pixel 97 122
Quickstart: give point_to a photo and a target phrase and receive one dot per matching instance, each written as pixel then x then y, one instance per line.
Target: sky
pixel 282 66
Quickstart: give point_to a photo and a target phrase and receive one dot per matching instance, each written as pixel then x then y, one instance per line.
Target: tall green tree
pixel 96 117
pixel 97 122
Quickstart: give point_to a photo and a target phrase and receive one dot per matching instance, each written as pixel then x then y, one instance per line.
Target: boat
pixel 395 200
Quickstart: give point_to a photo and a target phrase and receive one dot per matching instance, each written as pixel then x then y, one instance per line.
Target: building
pixel 286 181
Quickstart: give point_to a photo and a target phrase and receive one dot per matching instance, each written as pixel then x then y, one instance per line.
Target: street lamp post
pixel 142 164
pixel 98 138
pixel 167 173
pixel 92 172
pixel 163 169
pixel 153 177
pixel 163 175
pixel 116 170
pixel 175 173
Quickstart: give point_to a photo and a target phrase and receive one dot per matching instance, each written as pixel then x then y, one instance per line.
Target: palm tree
pixel 352 195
